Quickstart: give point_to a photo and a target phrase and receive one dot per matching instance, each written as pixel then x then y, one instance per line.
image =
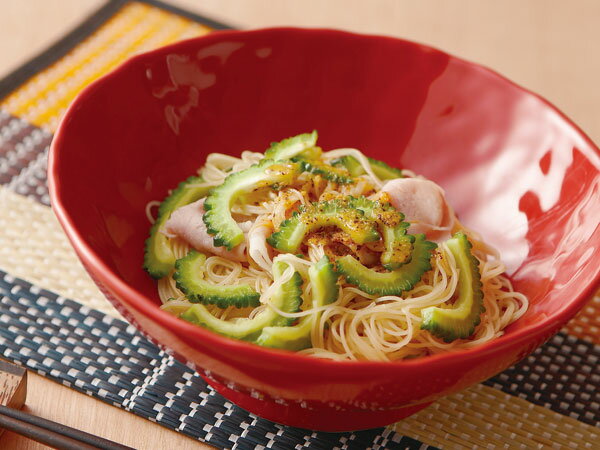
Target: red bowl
pixel 514 167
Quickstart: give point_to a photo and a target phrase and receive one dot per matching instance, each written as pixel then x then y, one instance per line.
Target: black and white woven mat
pixel 105 357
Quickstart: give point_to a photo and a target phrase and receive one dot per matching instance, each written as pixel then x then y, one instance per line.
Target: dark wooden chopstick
pixel 52 433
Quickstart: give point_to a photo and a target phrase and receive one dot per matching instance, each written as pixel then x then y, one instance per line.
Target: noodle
pixel 357 326
pixel 149 207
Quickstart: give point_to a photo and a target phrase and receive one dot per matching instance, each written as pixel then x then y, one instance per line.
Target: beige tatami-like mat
pixel 33 246
pixel 483 417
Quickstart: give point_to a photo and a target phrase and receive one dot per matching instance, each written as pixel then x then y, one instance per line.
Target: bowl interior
pixel 513 167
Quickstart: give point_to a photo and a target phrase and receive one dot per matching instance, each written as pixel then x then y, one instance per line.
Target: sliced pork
pixel 186 222
pixel 423 204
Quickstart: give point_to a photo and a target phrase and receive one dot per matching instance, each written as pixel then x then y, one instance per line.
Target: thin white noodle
pixel 257 246
pixel 357 326
pixel 149 206
pixel 362 159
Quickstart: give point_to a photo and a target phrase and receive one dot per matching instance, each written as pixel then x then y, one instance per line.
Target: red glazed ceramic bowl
pixel 514 168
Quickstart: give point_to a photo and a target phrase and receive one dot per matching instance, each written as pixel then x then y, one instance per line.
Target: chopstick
pixel 52 433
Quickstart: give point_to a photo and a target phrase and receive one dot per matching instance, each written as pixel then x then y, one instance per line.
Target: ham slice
pixel 186 222
pixel 424 206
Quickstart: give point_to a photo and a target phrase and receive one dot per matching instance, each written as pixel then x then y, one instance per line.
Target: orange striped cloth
pixel 137 28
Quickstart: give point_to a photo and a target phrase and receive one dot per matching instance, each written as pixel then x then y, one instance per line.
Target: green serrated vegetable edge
pixel 331 173
pixel 325 290
pixel 389 283
pixel 318 215
pixel 159 260
pixel 460 320
pixel 292 146
pixel 398 244
pixel 288 298
pixel 382 170
pixel 219 222
pixel 187 276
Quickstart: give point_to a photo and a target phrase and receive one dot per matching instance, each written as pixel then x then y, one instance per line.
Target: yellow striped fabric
pixel 136 28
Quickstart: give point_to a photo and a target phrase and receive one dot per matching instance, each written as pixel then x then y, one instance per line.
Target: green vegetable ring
pixel 218 204
pixel 459 321
pixel 158 256
pixel 389 283
pixel 323 214
pixel 187 275
pixel 288 298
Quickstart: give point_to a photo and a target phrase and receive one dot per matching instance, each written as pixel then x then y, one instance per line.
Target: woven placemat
pixel 552 398
pixel 105 357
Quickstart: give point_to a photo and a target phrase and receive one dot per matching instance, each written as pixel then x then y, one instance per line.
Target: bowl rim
pixel 140 302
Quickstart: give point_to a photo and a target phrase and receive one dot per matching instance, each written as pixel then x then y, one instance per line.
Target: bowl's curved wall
pixel 514 168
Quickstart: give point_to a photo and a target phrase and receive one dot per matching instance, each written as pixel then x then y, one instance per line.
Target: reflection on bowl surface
pixel 513 166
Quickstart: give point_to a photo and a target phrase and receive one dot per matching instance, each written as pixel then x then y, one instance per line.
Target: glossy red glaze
pixel 513 166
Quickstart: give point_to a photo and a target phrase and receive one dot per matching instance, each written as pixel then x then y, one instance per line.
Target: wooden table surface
pixel 548 46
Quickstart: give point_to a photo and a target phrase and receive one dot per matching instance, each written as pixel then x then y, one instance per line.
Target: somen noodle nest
pixel 357 325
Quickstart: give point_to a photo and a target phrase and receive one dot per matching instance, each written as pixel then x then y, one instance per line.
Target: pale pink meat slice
pixel 423 204
pixel 186 222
